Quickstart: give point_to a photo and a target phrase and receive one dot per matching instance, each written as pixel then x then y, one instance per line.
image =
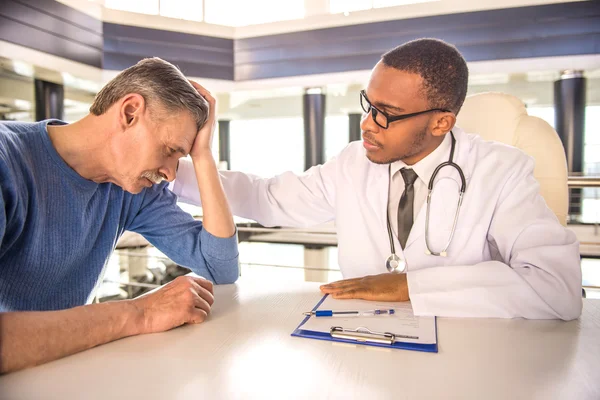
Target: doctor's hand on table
pixel 383 287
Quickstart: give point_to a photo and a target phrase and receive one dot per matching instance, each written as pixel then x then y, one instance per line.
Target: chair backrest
pixel 503 118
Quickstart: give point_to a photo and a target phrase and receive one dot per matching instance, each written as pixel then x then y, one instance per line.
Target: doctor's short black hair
pixel 443 69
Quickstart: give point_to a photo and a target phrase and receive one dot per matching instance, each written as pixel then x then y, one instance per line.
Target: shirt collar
pixel 427 165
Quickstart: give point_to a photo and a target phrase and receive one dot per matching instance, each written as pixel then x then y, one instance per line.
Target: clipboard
pixel 364 335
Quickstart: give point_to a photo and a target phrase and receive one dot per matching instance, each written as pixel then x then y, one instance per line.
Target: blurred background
pixel 274 65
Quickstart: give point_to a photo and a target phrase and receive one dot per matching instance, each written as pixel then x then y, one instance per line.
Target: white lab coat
pixel 510 257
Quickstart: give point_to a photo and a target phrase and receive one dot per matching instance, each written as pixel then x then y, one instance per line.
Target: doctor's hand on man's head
pixel 383 287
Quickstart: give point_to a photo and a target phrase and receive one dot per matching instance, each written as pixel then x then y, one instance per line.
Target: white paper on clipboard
pixel 403 323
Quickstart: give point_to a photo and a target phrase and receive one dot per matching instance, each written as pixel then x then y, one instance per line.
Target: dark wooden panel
pixel 534 14
pixel 305 67
pixel 24 35
pixel 49 23
pixel 66 13
pixel 506 32
pixel 196 55
pixel 173 51
pixel 549 47
pixel 166 37
pixel 538 31
pixel 117 61
pixel 543 47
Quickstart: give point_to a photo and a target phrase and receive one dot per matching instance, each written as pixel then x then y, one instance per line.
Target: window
pixel 545 113
pixel 267 147
pixel 273 263
pixel 336 135
pixel 341 6
pixel 136 6
pixel 591 136
pixel 590 197
pixel 242 13
pixel 344 6
pixel 181 9
pixel 590 207
pixel 394 3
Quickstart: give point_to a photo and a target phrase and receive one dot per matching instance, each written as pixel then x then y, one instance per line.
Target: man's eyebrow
pixel 388 106
pixel 181 150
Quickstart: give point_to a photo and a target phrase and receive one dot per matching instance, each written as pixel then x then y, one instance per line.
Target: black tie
pixel 405 206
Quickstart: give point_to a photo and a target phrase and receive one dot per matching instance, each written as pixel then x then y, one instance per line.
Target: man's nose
pixel 169 171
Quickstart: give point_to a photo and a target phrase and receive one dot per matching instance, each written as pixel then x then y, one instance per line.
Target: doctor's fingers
pixel 356 293
pixel 342 283
pixel 335 289
pixel 356 286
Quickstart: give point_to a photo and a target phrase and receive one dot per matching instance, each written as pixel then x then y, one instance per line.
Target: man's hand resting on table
pixel 383 287
pixel 35 337
pixel 185 300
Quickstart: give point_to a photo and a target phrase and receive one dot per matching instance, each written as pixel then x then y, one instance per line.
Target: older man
pixel 69 191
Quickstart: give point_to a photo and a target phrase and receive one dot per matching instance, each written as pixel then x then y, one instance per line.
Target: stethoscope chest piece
pixel 395 264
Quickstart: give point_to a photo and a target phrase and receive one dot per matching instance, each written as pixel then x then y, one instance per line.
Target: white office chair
pixel 503 118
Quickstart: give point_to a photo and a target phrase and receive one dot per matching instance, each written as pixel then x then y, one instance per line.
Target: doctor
pixel 508 256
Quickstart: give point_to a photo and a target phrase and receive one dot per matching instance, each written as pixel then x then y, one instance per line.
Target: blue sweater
pixel 57 229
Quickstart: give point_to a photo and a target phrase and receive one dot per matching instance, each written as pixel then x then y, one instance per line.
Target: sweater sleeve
pixel 183 239
pixel 6 204
pixel 2 217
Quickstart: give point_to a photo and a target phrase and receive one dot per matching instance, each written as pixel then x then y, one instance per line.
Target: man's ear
pixel 443 124
pixel 132 107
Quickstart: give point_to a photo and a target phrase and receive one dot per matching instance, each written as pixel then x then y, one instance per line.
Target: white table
pixel 245 351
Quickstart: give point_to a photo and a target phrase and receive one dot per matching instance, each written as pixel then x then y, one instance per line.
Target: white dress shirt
pixel 424 169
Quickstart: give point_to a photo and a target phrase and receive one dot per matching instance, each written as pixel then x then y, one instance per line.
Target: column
pixel 569 111
pixel 316 263
pixel 314 127
pixel 49 100
pixel 354 132
pixel 224 147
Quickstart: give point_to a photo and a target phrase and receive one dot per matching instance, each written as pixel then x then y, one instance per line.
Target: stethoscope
pixel 395 263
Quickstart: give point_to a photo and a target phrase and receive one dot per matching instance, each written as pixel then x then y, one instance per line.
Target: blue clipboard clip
pixel 362 334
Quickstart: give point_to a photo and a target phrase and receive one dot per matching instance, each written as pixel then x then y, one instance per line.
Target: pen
pixel 331 313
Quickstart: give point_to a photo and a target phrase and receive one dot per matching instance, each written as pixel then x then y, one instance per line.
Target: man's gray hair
pixel 159 83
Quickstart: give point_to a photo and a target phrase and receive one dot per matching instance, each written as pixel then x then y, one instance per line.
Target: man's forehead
pixel 390 85
pixel 180 133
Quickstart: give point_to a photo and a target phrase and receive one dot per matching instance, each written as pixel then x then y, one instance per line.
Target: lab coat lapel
pixel 461 153
pixel 418 228
pixel 378 183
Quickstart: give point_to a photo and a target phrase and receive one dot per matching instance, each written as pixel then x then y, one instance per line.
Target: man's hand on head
pixel 203 142
pixel 383 287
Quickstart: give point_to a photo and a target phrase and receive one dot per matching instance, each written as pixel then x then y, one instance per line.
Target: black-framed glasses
pixel 384 120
